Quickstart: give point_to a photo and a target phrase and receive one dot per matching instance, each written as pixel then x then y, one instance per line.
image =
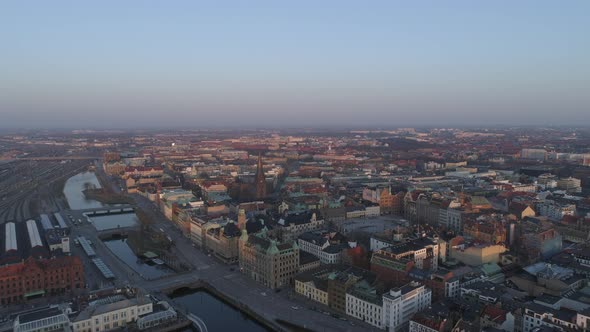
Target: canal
pixel 73 191
pixel 111 221
pixel 121 249
pixel 217 315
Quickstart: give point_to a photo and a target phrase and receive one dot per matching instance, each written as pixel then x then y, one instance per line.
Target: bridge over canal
pixel 106 210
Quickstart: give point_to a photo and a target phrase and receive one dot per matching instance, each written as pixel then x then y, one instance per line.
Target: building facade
pixel 111 315
pixel 45 319
pixel 45 277
pixel 267 261
pixel 363 302
pixel 401 303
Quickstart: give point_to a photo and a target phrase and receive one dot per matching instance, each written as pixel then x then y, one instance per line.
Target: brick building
pixel 267 261
pixel 45 277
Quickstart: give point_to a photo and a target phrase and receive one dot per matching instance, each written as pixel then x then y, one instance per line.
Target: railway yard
pixel 28 188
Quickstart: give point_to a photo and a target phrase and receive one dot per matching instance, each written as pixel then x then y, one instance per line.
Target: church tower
pixel 260 180
pixel 242 219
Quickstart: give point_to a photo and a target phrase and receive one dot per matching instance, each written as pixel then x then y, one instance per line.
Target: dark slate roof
pixel 231 230
pixel 256 223
pixel 412 245
pixel 259 241
pixel 39 314
pixel 306 258
pixel 316 238
pixel 297 218
pixel 336 248
pixel 284 246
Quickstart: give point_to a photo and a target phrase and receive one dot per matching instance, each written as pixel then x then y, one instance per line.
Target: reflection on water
pixel 114 221
pixel 73 191
pixel 217 315
pixel 122 250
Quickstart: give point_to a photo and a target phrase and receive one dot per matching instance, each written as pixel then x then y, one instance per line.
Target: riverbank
pixel 107 197
pixel 203 286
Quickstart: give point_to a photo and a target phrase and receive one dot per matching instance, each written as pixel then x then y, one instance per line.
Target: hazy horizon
pixel 232 64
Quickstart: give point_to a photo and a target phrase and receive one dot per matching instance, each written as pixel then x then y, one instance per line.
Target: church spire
pixel 259 165
pixel 260 179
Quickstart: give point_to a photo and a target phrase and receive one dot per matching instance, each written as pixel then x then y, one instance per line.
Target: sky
pixel 194 64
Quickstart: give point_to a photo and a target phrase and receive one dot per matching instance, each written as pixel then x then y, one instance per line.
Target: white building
pixel 111 315
pixel 372 194
pixel 291 230
pixel 528 188
pixel 547 181
pixel 363 303
pixel 158 317
pixel 570 184
pixel 46 319
pixel 197 231
pixel 378 243
pixel 583 319
pixel 423 251
pixel 453 288
pixel 372 211
pixel 536 315
pixel 554 210
pixel 353 213
pixel 400 304
pixel 453 219
pixel 533 154
pixel 318 245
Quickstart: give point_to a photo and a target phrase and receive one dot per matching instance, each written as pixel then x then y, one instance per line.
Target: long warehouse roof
pixel 45 222
pixel 86 246
pixel 10 237
pixel 60 220
pixel 34 236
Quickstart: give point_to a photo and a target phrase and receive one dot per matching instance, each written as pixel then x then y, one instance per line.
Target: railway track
pixel 2 215
pixel 17 197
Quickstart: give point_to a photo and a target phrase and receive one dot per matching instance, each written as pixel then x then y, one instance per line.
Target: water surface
pixel 111 221
pixel 217 315
pixel 122 250
pixel 73 191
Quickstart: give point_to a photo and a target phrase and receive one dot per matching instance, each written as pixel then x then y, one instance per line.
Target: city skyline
pixel 187 65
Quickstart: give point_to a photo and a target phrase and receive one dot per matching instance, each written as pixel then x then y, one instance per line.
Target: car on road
pixel 295 307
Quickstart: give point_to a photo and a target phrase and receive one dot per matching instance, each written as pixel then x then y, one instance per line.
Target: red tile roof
pixel 494 314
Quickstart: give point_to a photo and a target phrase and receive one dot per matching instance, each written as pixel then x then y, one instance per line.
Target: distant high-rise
pixel 260 180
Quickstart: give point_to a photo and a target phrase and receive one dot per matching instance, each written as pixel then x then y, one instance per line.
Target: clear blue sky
pixel 292 63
